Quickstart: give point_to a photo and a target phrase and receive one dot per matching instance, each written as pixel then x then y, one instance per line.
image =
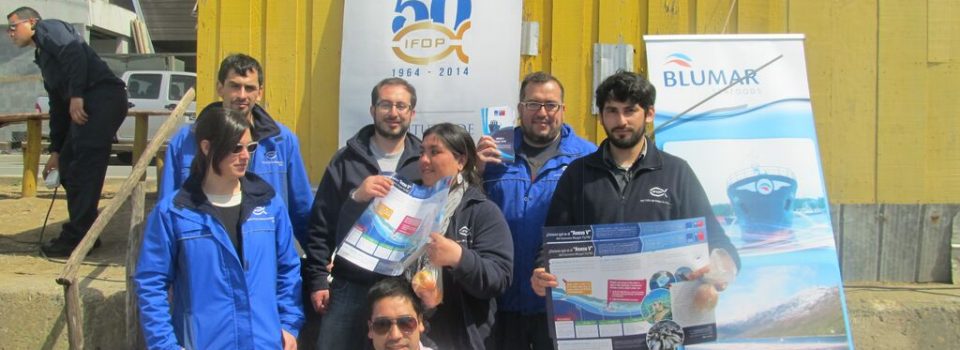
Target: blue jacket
pixel 277 160
pixel 524 203
pixel 219 302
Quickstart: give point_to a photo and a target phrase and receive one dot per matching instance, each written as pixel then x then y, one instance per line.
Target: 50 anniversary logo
pixel 428 38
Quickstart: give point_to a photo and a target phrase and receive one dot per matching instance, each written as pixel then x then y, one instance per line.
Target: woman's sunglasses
pixel 407 324
pixel 251 147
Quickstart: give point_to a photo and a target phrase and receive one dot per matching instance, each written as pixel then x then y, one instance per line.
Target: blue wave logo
pixel 679 59
pixel 428 37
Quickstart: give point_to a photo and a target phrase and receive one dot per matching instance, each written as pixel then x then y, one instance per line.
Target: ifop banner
pixel 460 55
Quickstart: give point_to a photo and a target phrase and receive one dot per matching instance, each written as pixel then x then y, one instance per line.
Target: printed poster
pixel 460 55
pixel 737 109
pixel 626 286
pixel 393 230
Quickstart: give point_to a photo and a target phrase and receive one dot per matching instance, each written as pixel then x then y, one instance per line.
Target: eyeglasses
pixel 387 105
pixel 13 26
pixel 532 106
pixel 251 147
pixel 407 324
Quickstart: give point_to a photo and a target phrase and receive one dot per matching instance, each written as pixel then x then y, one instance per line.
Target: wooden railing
pixel 134 186
pixel 32 146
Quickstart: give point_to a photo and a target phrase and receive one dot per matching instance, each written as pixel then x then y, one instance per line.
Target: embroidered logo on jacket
pixel 260 210
pixel 658 192
pixel 271 155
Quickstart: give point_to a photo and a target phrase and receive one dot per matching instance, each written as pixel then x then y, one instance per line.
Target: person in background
pixel 87 105
pixel 223 245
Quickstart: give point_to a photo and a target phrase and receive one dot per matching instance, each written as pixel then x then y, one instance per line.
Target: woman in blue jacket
pixel 224 244
pixel 475 251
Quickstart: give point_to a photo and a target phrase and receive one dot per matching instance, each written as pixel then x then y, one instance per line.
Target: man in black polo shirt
pixel 629 180
pixel 87 105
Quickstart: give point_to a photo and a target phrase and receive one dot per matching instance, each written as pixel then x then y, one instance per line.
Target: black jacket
pixel 470 291
pixel 333 212
pixel 69 67
pixel 663 187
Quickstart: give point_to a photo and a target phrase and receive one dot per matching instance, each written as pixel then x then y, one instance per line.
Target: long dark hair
pixel 221 127
pixel 458 141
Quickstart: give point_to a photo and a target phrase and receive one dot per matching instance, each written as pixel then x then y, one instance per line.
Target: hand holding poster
pixel 630 286
pixel 391 232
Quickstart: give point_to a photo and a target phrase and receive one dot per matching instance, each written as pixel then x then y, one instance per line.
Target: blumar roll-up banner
pixel 737 109
pixel 460 55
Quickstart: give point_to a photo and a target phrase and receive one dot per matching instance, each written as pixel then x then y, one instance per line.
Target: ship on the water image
pixel 762 198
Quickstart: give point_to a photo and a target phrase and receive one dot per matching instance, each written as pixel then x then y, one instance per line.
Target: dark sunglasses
pixel 251 147
pixel 407 324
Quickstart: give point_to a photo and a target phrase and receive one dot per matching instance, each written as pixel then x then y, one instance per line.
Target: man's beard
pixel 387 133
pixel 537 139
pixel 628 142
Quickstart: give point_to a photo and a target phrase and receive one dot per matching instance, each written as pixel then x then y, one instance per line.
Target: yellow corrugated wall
pixel 883 74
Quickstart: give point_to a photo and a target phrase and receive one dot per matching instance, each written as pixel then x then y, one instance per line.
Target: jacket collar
pixel 473 194
pixel 652 160
pixel 256 192
pixel 565 147
pixel 264 126
pixel 360 145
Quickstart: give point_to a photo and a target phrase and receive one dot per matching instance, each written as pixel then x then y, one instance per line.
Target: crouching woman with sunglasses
pixel 396 316
pixel 224 244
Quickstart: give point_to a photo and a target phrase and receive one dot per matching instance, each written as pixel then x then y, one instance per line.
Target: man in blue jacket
pixel 522 190
pixel 382 148
pixel 87 105
pixel 277 160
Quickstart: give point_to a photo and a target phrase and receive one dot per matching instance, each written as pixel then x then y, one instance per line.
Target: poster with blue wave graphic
pixel 737 108
pixel 630 285
pixel 392 231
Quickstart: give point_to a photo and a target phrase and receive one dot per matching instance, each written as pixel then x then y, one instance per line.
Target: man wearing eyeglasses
pixel 276 156
pixel 523 189
pixel 396 316
pixel 87 105
pixel 382 148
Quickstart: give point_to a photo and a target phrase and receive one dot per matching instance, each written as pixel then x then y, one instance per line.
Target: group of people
pixel 220 266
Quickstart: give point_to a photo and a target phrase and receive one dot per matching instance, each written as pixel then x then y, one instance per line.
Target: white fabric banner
pixel 737 109
pixel 460 55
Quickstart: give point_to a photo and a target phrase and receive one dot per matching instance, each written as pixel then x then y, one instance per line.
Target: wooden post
pixel 955 250
pixel 140 134
pixel 74 315
pixel 161 155
pixel 31 159
pixel 137 211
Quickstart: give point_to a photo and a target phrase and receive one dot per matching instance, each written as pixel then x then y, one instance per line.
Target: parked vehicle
pixel 146 91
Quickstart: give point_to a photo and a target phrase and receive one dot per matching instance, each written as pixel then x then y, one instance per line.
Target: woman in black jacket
pixel 475 251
